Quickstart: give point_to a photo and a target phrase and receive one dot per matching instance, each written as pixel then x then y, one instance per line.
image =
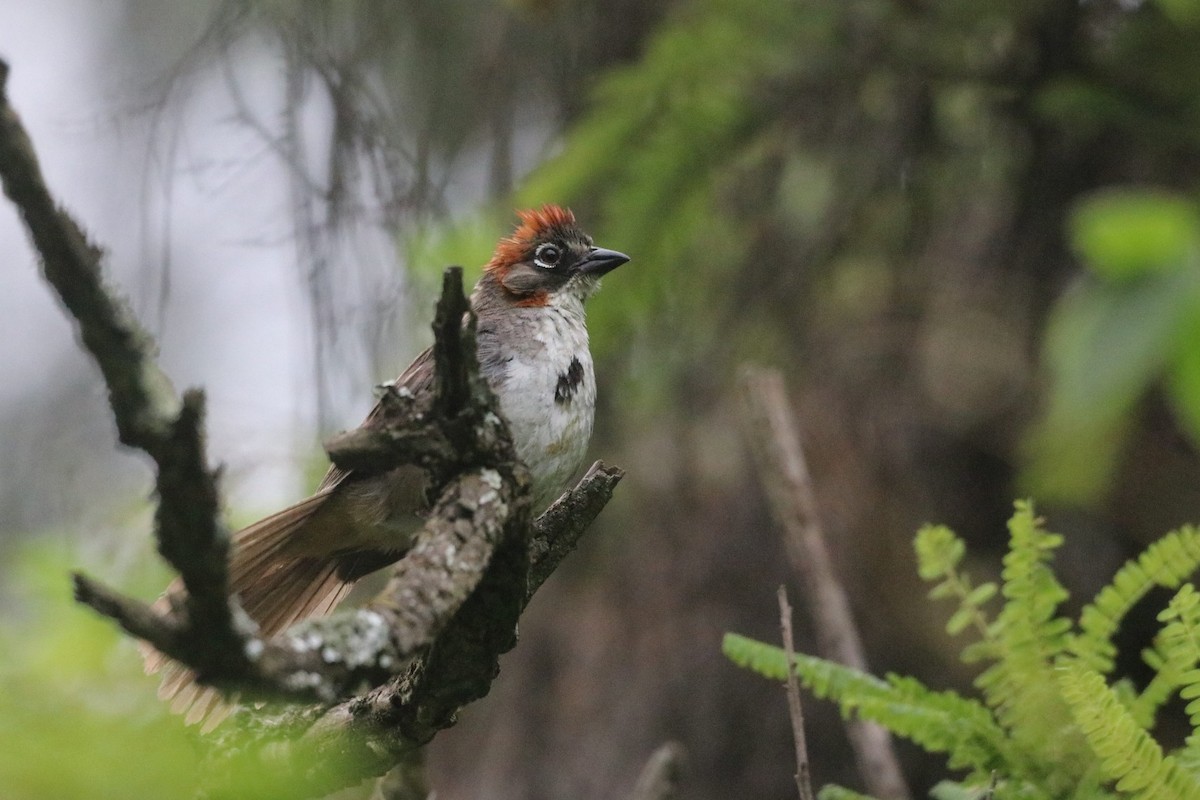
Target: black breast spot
pixel 568 382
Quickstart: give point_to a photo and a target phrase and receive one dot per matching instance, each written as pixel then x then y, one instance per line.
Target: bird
pixel 532 346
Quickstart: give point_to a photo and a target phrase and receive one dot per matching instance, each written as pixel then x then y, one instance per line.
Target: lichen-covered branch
pixel 323 660
pixel 427 645
pixel 144 405
pixel 148 414
pixel 457 428
pixel 557 530
pixel 365 735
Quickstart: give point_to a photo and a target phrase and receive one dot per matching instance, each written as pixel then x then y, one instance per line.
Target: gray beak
pixel 599 261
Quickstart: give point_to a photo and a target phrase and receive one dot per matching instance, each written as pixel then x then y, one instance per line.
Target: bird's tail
pixel 274 587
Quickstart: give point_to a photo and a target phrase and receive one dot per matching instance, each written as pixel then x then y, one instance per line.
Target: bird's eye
pixel 547 256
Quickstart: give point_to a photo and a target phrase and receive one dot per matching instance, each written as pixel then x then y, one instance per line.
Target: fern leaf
pixel 1162 686
pixel 939 552
pixel 941 722
pixel 1021 684
pixel 1127 753
pixel 1168 562
pixel 1178 646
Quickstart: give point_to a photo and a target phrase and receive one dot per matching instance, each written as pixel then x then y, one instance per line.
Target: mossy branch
pixel 429 644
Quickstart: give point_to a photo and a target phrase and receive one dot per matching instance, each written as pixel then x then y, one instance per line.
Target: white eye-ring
pixel 547 255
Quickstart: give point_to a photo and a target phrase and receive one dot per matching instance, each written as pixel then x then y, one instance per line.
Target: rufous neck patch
pixel 538 299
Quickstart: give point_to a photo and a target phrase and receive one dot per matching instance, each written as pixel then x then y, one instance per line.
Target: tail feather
pixel 298 589
pixel 275 589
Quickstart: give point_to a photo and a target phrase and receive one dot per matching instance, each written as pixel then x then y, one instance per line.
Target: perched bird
pixel 533 351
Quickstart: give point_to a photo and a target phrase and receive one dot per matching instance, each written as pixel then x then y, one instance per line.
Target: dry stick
pixel 659 779
pixel 777 449
pixel 795 711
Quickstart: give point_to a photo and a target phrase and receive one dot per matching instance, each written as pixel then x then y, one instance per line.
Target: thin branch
pixel 780 457
pixel 558 529
pixel 458 373
pixel 659 779
pixel 795 710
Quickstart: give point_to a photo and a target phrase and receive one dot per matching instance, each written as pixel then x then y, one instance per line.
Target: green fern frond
pixel 1052 727
pixel 1188 756
pixel 939 552
pixel 941 722
pixel 1168 562
pixel 1028 637
pixel 1179 647
pixel 1161 688
pixel 1127 753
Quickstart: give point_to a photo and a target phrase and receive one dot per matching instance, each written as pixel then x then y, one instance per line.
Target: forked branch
pixel 428 644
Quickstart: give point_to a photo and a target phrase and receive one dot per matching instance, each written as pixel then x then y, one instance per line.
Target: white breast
pixel 547 393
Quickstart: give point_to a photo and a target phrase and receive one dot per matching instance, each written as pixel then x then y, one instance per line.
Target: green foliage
pixel 1126 751
pixel 939 553
pixel 1050 725
pixel 1024 640
pixel 667 141
pixel 1123 235
pixel 1167 563
pixel 78 718
pixel 76 714
pixel 941 722
pixel 1134 325
pixel 1179 648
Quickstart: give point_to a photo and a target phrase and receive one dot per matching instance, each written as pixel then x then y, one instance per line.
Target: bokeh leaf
pixel 1105 345
pixel 1124 234
pixel 1181 12
pixel 1183 386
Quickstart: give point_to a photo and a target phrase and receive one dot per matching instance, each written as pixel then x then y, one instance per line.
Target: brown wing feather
pixel 276 574
pixel 417 378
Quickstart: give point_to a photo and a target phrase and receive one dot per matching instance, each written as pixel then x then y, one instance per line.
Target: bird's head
pixel 549 256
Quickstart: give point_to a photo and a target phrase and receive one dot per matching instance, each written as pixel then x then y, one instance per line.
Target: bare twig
pixel 659 779
pixel 780 457
pixel 795 710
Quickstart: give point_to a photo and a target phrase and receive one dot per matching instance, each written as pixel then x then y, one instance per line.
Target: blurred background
pixel 967 233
